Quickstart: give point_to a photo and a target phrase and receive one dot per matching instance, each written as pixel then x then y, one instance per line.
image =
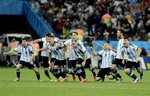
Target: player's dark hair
pixel 74 40
pixel 75 32
pixel 25 38
pixel 126 38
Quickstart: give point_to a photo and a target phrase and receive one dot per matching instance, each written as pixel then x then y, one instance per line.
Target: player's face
pixel 24 42
pixel 126 42
pixel 74 35
pixel 51 40
pixel 119 34
pixel 47 38
pixel 74 44
pixel 106 46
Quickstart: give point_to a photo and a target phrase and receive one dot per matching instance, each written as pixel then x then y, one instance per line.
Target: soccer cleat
pixel 17 79
pixel 94 78
pixel 135 80
pixel 119 80
pixel 74 77
pixel 40 80
pixel 57 80
pixel 64 79
pixel 141 77
pixel 83 80
pixel 51 79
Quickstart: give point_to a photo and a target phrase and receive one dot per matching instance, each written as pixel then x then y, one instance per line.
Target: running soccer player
pixel 26 58
pixel 133 52
pixel 45 54
pixel 73 57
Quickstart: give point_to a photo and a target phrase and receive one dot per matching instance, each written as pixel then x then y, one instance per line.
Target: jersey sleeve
pixel 43 39
pixel 17 49
pixel 135 47
pixel 100 52
pixel 68 42
pixel 114 53
pixel 31 49
pixel 83 48
pixel 122 49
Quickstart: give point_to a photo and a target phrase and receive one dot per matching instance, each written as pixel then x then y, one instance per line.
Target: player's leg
pixel 62 65
pixel 129 72
pixel 35 69
pixel 100 75
pixel 67 71
pixel 110 75
pixel 73 65
pixel 18 67
pixel 116 63
pixel 139 69
pixel 56 70
pixel 89 65
pixel 81 70
pixel 46 68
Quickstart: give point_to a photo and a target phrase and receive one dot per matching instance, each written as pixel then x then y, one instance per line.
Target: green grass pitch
pixel 29 86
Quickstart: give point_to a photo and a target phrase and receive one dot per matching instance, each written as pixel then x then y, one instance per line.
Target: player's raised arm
pixel 93 52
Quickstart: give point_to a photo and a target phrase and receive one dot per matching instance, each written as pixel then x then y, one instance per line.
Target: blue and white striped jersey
pixel 131 52
pixel 56 53
pixel 45 43
pixel 26 52
pixel 79 51
pixel 107 58
pixel 71 52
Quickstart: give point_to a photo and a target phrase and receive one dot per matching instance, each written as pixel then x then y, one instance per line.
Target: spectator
pixel 130 15
pixel 136 37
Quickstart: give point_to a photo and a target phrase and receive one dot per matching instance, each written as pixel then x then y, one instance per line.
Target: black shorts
pixel 130 65
pixel 60 63
pixel 45 62
pixel 30 66
pixel 73 63
pixel 103 72
pixel 118 62
pixel 88 62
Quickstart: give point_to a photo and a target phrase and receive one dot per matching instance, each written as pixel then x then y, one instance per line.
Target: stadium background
pixel 22 16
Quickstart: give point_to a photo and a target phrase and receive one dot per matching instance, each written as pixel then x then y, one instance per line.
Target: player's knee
pixel 36 69
pixel 110 77
pixel 45 69
pixel 98 78
pixel 127 70
pixel 113 67
pixel 55 67
pixel 139 70
pixel 78 66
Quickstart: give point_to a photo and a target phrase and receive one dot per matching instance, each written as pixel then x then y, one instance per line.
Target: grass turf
pixel 29 86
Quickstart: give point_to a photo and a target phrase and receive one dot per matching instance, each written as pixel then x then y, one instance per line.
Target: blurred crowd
pixel 98 18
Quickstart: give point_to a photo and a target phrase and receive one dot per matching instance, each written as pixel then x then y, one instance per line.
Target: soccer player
pixel 107 58
pixel 133 52
pixel 73 58
pixel 45 54
pixel 83 58
pixel 57 60
pixel 26 59
pixel 118 60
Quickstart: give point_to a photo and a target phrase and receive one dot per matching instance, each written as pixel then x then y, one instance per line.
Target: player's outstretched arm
pixel 93 52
